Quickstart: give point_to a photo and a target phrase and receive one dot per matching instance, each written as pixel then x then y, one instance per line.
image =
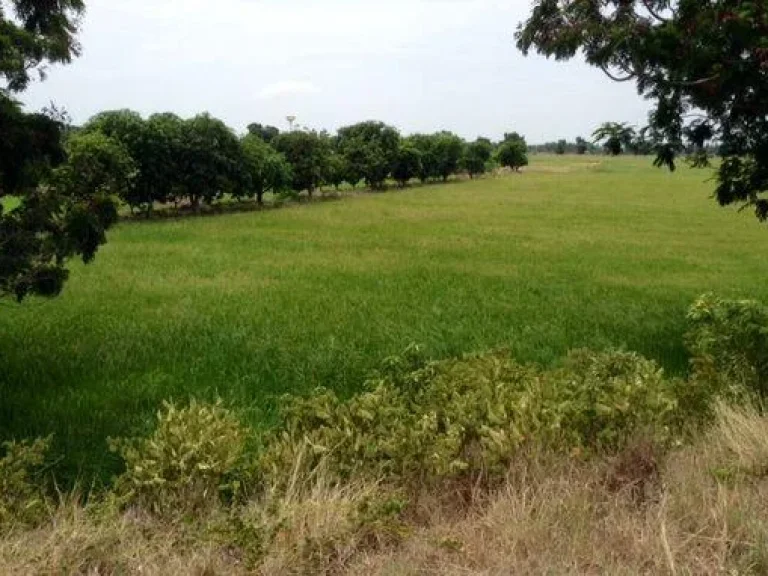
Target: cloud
pixel 288 88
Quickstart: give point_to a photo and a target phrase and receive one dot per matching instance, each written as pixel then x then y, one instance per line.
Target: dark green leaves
pixel 704 64
pixel 41 32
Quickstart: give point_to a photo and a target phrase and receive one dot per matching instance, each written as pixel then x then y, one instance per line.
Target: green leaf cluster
pixel 22 500
pixel 728 340
pixel 194 457
pixel 473 416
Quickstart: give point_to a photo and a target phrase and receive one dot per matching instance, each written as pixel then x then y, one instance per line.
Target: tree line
pixel 69 182
pixel 165 159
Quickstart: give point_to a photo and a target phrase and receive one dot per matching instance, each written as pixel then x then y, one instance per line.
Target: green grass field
pixel 576 252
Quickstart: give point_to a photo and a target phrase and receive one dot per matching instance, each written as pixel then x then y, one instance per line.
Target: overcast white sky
pixel 421 65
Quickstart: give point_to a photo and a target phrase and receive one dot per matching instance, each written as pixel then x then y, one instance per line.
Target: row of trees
pixel 166 159
pixel 579 146
pixel 613 138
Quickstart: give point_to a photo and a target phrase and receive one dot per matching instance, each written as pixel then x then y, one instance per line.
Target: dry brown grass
pixel 702 509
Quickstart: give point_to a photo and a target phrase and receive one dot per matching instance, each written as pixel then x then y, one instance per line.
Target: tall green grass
pixel 577 251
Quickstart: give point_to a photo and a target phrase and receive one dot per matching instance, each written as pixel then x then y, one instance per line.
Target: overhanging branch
pixel 653 12
pixel 627 78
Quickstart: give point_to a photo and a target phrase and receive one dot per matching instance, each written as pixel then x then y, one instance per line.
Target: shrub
pixel 195 456
pixel 471 416
pixel 728 340
pixel 22 497
pixel 604 399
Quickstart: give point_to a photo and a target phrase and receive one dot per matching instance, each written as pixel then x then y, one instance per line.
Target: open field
pixel 576 252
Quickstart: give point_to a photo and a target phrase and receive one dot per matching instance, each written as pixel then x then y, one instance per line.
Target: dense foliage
pixel 728 340
pixel 33 34
pixel 473 416
pixel 369 149
pixel 477 156
pixel 615 136
pixel 196 161
pixel 512 154
pixel 702 62
pixel 49 225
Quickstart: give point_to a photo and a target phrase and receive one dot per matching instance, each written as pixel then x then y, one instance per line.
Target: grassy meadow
pixel 575 252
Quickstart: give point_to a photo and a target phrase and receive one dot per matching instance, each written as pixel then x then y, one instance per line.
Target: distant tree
pixel 129 129
pixel 701 63
pixel 96 166
pixel 264 169
pixel 160 163
pixel 476 156
pixel 581 146
pixel 448 149
pixel 512 154
pixel 615 136
pixel 560 147
pixel 407 164
pixel 514 137
pixel 369 148
pixel 336 170
pixel 266 133
pixel 307 153
pixel 425 144
pixel 211 160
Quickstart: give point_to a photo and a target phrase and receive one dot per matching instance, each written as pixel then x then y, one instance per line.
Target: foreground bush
pixel 705 513
pixel 728 340
pixel 22 497
pixel 472 416
pixel 582 457
pixel 192 459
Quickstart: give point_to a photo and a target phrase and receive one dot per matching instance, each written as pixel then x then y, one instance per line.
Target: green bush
pixel 471 416
pixel 22 496
pixel 604 399
pixel 728 340
pixel 195 456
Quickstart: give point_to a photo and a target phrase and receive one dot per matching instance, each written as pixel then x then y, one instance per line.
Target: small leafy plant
pixel 728 340
pixel 471 416
pixel 194 457
pixel 22 496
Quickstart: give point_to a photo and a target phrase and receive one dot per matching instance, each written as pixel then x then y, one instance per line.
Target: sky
pixel 420 65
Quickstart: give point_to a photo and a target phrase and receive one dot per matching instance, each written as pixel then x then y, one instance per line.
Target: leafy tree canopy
pixel 49 225
pixel 703 63
pixel 425 144
pixel 211 160
pixel 448 149
pixel 476 156
pixel 615 136
pixel 307 153
pixel 512 154
pixel 34 33
pixel 581 145
pixel 336 171
pixel 265 169
pixel 266 133
pixel 370 149
pixel 407 164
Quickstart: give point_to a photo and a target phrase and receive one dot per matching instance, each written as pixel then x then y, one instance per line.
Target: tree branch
pixel 653 13
pixel 627 78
